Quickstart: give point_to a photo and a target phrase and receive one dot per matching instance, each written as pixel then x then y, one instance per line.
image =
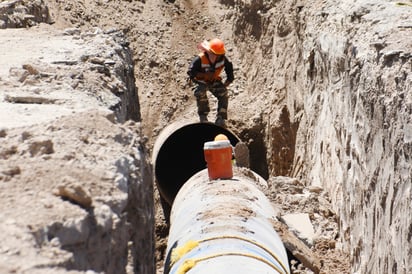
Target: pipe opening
pixel 180 155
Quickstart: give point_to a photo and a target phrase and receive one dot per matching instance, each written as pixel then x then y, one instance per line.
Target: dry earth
pixel 42 155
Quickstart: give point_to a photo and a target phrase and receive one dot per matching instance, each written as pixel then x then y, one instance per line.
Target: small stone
pixel 71 31
pixel 315 189
pixel 75 193
pixel 3 132
pixel 32 70
pixel 11 171
pixel 40 147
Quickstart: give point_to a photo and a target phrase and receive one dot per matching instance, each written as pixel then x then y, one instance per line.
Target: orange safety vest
pixel 208 74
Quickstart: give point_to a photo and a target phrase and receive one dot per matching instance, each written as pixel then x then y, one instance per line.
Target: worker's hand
pixel 217 84
pixel 227 83
pixel 199 93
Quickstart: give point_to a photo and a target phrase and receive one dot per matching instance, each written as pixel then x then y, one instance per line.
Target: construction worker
pixel 205 71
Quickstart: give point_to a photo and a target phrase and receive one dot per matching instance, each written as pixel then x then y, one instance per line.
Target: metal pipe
pixel 178 154
pixel 224 226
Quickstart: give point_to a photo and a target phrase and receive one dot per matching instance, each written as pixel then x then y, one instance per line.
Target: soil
pixel 163 36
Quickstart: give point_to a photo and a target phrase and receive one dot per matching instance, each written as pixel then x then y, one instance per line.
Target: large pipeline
pixel 224 226
pixel 216 226
pixel 178 154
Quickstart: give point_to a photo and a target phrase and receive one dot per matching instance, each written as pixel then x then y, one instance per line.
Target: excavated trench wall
pixel 341 70
pixel 103 210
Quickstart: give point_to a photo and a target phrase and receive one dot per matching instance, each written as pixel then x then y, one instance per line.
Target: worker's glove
pixel 216 84
pixel 199 93
pixel 227 83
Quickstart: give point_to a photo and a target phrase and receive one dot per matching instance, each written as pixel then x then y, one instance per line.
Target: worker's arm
pixel 229 72
pixel 194 68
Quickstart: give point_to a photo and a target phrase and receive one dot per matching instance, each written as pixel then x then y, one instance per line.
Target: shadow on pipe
pixel 178 154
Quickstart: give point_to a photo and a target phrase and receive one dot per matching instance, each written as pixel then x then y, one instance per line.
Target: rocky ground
pixel 56 129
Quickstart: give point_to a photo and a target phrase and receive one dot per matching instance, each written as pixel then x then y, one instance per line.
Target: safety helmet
pixel 217 46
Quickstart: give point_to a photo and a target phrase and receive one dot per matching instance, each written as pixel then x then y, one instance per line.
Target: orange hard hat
pixel 217 46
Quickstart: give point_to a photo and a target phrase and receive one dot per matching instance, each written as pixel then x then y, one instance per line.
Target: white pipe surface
pixel 224 226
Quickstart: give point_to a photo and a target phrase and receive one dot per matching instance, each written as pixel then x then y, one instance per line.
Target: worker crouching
pixel 205 70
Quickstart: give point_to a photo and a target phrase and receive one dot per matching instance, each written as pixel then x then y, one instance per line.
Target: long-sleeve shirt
pixel 195 68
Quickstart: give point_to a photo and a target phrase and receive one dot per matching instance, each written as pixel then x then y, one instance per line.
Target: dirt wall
pixel 76 185
pixel 343 71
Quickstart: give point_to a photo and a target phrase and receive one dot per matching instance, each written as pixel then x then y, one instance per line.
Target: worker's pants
pixel 219 91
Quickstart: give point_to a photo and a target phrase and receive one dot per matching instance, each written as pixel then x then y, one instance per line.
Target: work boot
pixel 203 118
pixel 220 121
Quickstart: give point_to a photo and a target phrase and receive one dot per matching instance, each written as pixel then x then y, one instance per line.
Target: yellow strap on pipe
pixel 190 263
pixel 178 252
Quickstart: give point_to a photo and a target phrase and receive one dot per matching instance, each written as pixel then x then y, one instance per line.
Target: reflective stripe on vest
pixel 207 75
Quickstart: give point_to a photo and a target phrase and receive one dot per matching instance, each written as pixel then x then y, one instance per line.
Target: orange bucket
pixel 218 156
